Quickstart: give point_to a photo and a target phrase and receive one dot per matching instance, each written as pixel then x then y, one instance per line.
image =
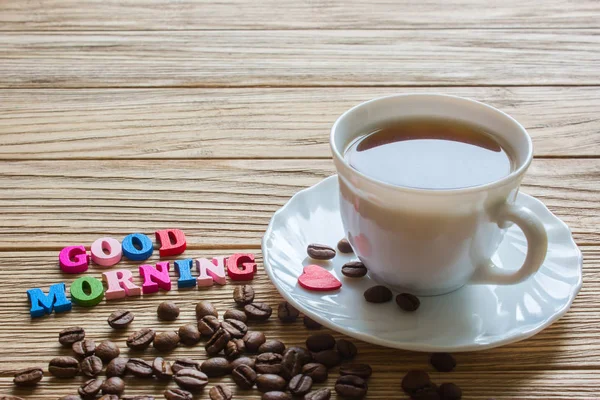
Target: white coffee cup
pixel 430 242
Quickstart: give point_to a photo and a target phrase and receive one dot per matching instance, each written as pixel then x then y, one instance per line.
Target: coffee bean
pixel 28 376
pixel 443 362
pixel 114 385
pixel 107 350
pixel 321 394
pixel 449 391
pixel 68 336
pixel 204 308
pixel 361 370
pixel 90 388
pixel 318 372
pixel 243 361
pixel 415 380
pixel 63 367
pixel 320 342
pixel 182 363
pixel 237 329
pixel 320 251
pixel 311 324
pixel 244 376
pixel 276 396
pixel 270 383
pixel 268 363
pixel 91 366
pixel 351 386
pixel 272 346
pixel 162 368
pixel 258 311
pixel 119 319
pixel 235 348
pixel 215 367
pixel 427 393
pixel 208 325
pixel 253 340
pixel 191 379
pixel 166 341
pixel 243 294
pixel 354 269
pixel 217 342
pixel 286 312
pixel 235 314
pixel 177 394
pixel 294 358
pixel 220 392
pixel 189 334
pixel 378 294
pixel 84 348
pixel 167 311
pixel 116 367
pixel 408 302
pixel 141 339
pixel 346 348
pixel 344 246
pixel 115 397
pixel 300 385
pixel 140 368
pixel 329 358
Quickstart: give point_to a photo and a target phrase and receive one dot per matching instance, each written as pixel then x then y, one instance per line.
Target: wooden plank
pixel 286 14
pixel 224 203
pixel 300 58
pixel 250 123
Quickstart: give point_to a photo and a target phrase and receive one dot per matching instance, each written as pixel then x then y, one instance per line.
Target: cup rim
pixel 441 192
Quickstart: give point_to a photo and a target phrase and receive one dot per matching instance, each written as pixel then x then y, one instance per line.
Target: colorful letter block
pixel 56 300
pixel 184 269
pixel 114 252
pixel 241 267
pixel 144 248
pixel 80 288
pixel 172 242
pixel 155 278
pixel 120 284
pixel 73 259
pixel 209 272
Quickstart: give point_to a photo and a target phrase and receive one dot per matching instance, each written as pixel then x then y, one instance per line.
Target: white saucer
pixel 475 317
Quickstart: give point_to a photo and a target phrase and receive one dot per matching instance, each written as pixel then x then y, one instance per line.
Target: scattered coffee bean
pixel 208 325
pixel 139 368
pixel 68 336
pixel 320 251
pixel 408 302
pixel 189 334
pixel 320 342
pixel 329 358
pixel 244 376
pixel 270 383
pixel 235 348
pixel 318 372
pixel 243 361
pixel 167 311
pixel 344 246
pixel 427 393
pixel 114 385
pixel 107 350
pixel 166 341
pixel 272 346
pixel 268 363
pixel 346 348
pixel 351 386
pixel 300 385
pixel 220 392
pixel 217 342
pixel 141 339
pixel 311 323
pixel 91 366
pixel 182 363
pixel 414 381
pixel 253 340
pixel 119 319
pixel 354 269
pixel 361 370
pixel 276 396
pixel 258 311
pixel 204 308
pixel 90 388
pixel 237 329
pixel 449 391
pixel 63 367
pixel 235 314
pixel 243 294
pixel 286 312
pixel 294 358
pixel 162 368
pixel 116 367
pixel 177 394
pixel 378 294
pixel 28 376
pixel 191 379
pixel 84 348
pixel 443 362
pixel 215 367
pixel 321 394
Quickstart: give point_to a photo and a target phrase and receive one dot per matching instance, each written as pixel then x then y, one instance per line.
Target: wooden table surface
pixel 119 117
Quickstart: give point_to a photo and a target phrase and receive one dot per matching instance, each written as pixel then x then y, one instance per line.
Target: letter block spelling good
pixel 112 246
pixel 144 248
pixel 209 272
pixel 241 267
pixel 172 242
pixel 56 300
pixel 155 278
pixel 184 269
pixel 80 288
pixel 120 284
pixel 73 259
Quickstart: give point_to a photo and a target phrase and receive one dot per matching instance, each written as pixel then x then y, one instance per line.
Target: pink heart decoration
pixel 318 279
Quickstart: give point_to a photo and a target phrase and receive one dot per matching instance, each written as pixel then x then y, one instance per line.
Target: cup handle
pixel 537 246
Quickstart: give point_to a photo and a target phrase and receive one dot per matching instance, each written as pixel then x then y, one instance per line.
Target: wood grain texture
pixel 287 14
pixel 300 58
pixel 251 123
pixel 224 203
